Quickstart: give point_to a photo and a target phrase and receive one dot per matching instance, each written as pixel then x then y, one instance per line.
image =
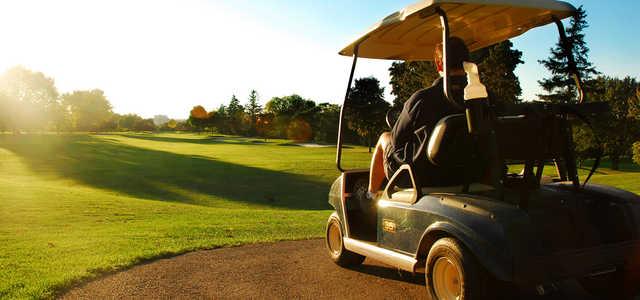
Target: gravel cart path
pixel 299 269
pixel 284 270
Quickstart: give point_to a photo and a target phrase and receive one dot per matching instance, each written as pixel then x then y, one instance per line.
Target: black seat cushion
pixel 450 144
pixel 452 152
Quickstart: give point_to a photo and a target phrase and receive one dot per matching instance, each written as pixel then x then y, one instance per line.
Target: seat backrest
pixel 451 149
pixel 450 144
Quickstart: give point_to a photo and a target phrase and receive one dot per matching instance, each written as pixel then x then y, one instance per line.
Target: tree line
pixel 289 117
pixel 30 102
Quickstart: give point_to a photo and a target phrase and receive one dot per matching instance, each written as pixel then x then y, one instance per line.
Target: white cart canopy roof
pixel 412 33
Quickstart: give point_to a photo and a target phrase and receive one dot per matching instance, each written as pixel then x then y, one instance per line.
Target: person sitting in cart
pixel 421 112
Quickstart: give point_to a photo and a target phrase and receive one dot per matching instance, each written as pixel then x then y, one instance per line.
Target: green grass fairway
pixel 75 206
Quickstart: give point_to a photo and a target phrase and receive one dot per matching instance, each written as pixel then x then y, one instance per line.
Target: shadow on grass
pixel 159 175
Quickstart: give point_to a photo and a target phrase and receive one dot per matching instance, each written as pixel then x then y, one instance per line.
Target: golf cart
pixel 493 228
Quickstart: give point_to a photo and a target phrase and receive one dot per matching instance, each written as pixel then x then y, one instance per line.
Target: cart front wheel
pixel 338 253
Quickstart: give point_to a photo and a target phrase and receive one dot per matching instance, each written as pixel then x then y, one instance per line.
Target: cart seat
pixel 530 139
pixel 452 150
pixel 450 145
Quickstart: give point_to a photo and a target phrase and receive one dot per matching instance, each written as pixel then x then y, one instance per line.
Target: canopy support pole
pixel 346 98
pixel 444 21
pixel 568 50
pixel 569 153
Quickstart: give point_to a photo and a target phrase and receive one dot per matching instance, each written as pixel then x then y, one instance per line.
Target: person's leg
pixel 377 174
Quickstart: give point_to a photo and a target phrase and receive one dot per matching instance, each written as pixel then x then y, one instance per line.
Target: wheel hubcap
pixel 446 280
pixel 334 239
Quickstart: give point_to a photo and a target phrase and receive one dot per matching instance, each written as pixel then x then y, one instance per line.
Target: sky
pixel 164 57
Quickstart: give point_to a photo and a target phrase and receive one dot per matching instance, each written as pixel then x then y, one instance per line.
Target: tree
pixel 88 109
pixel 133 122
pixel 32 99
pixel 636 152
pixel 222 120
pixel 289 105
pixel 234 106
pixel 409 77
pixel 160 120
pixel 560 87
pixel 235 115
pixel 288 109
pixel 5 112
pixel 127 122
pixel 264 125
pixel 198 118
pixel 299 130
pixel 496 63
pixel 111 124
pixel 169 126
pixel 59 117
pixel 325 124
pixel 621 128
pixel 144 125
pixel 634 106
pixel 212 121
pixel 253 109
pixel 183 125
pixel 585 143
pixel 366 108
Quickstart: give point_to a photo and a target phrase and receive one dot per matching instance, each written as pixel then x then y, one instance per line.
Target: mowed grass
pixel 627 177
pixel 73 207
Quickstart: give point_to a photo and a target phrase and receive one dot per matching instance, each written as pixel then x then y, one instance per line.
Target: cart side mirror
pixel 409 196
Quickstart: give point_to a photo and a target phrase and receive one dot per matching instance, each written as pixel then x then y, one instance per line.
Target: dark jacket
pixel 422 111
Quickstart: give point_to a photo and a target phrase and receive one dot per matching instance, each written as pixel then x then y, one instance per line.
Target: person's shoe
pixel 360 188
pixel 374 196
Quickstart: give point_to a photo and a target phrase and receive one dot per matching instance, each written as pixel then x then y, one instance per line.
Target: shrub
pixel 636 152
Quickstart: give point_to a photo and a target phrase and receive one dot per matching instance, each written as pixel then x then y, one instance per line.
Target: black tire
pixel 471 281
pixel 335 245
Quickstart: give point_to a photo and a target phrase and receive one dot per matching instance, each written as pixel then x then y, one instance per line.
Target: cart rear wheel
pixel 452 273
pixel 338 253
pixel 447 279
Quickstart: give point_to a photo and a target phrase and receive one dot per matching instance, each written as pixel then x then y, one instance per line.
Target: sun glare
pixel 164 57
